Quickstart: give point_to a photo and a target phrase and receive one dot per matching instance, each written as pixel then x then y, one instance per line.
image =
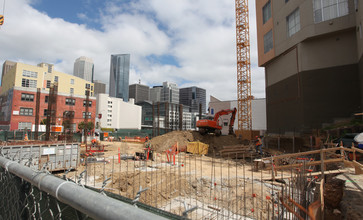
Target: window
pixel 88 86
pixel 24 125
pixel 109 120
pixel 267 42
pixel 89 114
pixel 27 97
pixel 266 12
pixel 293 22
pixel 68 114
pixel 71 91
pixel 89 103
pixel 109 102
pixel 45 112
pixel 55 78
pixel 329 9
pixel 86 93
pixel 28 73
pixel 28 83
pixel 26 111
pixel 46 99
pixel 70 101
pixel 91 87
pixel 109 115
pixel 110 110
pixel 48 84
pixel 72 81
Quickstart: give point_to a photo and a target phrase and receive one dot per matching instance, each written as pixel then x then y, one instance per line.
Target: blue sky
pixel 189 42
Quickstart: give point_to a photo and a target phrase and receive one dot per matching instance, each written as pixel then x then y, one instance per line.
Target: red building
pixel 18 109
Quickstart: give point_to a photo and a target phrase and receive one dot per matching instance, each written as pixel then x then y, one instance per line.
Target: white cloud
pixel 199 34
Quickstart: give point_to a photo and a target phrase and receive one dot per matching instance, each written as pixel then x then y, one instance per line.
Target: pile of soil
pixel 164 142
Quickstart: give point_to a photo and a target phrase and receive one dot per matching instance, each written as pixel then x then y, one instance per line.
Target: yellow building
pixel 42 76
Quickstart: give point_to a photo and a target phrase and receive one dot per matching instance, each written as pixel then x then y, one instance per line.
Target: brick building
pixel 18 103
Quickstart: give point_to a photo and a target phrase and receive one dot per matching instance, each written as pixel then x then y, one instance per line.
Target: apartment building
pixel 18 97
pixel 312 54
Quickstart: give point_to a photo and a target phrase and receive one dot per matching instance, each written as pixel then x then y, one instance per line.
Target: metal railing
pixel 29 194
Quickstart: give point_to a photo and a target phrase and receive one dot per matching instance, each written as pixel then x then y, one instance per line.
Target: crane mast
pixel 243 68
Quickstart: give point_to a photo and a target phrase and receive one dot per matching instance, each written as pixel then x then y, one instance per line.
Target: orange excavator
pixel 212 126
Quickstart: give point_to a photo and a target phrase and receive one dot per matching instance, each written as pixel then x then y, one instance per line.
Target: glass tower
pixel 119 76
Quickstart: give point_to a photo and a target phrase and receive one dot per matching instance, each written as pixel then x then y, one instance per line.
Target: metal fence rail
pixel 29 194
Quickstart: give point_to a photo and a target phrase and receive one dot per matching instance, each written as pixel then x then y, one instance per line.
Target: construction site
pixel 307 163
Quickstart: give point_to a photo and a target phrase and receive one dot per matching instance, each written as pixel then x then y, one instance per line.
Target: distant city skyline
pixel 179 41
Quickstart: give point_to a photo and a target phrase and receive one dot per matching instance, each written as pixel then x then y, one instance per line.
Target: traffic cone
pixel 26 137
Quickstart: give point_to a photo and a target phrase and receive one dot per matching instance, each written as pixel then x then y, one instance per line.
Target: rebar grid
pixel 200 187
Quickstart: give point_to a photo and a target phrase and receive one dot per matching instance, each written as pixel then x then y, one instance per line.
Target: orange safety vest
pixel 259 142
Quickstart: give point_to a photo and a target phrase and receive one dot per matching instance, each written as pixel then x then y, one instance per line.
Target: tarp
pixel 359 138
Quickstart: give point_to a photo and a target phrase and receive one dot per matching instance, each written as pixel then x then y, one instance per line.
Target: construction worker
pixel 258 144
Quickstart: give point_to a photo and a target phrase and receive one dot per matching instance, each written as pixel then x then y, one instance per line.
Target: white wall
pixel 125 115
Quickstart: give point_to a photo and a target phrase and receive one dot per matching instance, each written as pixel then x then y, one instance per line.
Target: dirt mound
pixel 163 142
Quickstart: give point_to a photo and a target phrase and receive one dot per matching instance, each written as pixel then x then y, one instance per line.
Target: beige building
pixel 312 54
pixel 42 76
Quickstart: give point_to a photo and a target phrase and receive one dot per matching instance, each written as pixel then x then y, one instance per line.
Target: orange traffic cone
pixel 26 137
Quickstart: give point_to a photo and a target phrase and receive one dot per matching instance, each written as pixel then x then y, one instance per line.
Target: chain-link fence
pixel 29 194
pixel 22 200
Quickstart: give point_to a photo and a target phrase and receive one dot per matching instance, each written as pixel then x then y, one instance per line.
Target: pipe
pixel 91 203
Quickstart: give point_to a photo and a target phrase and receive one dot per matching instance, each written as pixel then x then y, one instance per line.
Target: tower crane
pixel 243 69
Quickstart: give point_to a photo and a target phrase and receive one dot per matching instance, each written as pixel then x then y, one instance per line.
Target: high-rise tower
pixel 119 76
pixel 84 68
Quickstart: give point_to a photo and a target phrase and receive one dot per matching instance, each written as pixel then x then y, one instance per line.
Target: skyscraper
pixel 84 68
pixel 170 93
pixel 119 76
pixel 193 97
pixel 155 93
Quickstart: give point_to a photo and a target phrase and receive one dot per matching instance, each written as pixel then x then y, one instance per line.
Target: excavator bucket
pixel 1 19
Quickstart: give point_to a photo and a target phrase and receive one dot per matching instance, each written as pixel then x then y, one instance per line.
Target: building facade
pixel 119 76
pixel 164 117
pixel 19 97
pixel 84 68
pixel 100 87
pixel 312 54
pixel 155 94
pixel 169 93
pixel 139 92
pixel 118 114
pixel 194 97
pixel 7 65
